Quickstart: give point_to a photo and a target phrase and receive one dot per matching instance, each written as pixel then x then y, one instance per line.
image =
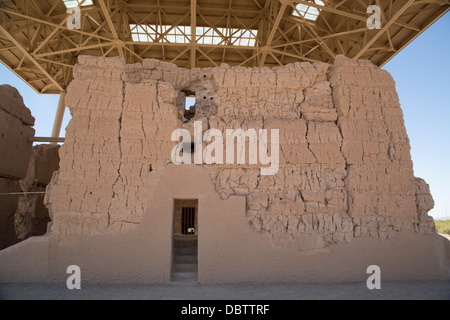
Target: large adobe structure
pixel 344 196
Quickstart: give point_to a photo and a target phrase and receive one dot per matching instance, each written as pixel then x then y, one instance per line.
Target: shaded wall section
pixel 16 129
pixel 23 168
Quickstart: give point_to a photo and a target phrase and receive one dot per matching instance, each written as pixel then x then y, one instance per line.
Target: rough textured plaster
pixel 16 148
pixel 345 165
pixel 228 250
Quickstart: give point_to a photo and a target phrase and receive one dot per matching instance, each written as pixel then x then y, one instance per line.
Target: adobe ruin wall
pixel 345 168
pixel 25 171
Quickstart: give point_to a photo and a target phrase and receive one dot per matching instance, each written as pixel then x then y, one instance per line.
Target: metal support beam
pixel 39 47
pixel 111 26
pixel 59 116
pixel 284 4
pixel 46 139
pixel 384 29
pixel 318 38
pixel 194 45
pixel 30 57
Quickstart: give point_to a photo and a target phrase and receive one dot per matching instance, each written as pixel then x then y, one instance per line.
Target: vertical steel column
pixel 59 116
pixel 193 44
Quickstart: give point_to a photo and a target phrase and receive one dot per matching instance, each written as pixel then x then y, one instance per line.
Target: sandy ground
pixel 398 290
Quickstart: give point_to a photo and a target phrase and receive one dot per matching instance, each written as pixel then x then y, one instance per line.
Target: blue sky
pixel 421 72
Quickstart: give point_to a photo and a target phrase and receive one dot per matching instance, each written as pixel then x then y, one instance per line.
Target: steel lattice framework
pixel 37 43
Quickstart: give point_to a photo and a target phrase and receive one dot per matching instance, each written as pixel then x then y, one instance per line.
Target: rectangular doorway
pixel 185 241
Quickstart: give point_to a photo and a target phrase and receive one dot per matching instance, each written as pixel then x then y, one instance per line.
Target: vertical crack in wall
pixel 308 140
pixel 347 165
pixel 119 176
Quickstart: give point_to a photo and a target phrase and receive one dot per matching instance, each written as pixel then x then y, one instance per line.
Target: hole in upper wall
pixel 189 112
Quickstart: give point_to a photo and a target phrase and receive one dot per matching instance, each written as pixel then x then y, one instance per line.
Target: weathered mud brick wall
pixel 112 150
pixel 15 131
pixel 23 168
pixel 304 204
pixel 345 168
pixel 31 217
pixel 16 124
pixel 383 194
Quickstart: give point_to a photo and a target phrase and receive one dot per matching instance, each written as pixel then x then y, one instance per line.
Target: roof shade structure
pixel 308 12
pixel 76 3
pixel 37 43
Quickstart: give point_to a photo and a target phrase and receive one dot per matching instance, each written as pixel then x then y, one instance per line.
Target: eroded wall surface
pixel 31 217
pixel 15 130
pixel 345 168
pixel 23 168
pixel 16 124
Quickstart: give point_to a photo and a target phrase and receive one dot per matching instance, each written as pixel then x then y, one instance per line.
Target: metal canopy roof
pixel 38 44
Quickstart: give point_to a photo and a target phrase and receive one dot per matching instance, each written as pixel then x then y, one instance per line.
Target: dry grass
pixel 443 226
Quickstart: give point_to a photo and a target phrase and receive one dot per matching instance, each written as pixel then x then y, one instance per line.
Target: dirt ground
pixel 397 290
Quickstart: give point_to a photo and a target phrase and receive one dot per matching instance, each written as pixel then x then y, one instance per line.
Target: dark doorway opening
pixel 185 241
pixel 188 220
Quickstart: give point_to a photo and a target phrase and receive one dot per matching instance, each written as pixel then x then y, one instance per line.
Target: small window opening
pixel 189 112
